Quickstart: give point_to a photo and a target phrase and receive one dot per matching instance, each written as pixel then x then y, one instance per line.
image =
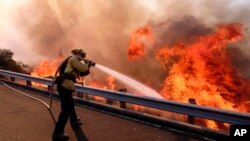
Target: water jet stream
pixel 141 88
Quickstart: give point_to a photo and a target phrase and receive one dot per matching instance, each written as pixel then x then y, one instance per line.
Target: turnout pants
pixel 67 110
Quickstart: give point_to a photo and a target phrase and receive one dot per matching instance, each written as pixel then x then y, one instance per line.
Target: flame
pixel 203 70
pixel 111 81
pixel 97 84
pixel 138 40
pixel 110 84
pixel 47 68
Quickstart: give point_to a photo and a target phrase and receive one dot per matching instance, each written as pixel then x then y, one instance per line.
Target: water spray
pixel 139 87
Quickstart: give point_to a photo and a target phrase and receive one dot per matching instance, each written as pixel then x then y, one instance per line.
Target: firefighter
pixel 72 70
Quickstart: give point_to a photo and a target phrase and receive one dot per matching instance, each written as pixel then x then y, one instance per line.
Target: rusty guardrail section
pixel 167 105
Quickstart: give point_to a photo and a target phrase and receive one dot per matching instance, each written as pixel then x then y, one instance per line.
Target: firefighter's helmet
pixel 79 52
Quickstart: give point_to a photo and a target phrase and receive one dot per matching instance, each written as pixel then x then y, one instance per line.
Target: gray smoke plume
pixel 44 28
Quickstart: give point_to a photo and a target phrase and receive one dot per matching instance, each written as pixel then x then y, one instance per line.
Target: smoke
pixel 42 29
pixel 186 20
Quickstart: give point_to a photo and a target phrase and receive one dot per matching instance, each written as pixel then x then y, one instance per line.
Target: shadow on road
pixel 80 134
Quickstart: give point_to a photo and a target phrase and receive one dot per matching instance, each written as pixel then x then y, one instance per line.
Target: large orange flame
pixel 203 70
pixel 47 69
pixel 138 41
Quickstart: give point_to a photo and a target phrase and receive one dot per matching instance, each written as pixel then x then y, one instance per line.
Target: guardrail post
pixel 28 83
pixel 79 94
pixel 12 79
pixel 122 103
pixel 49 87
pixel 190 119
pixel 109 101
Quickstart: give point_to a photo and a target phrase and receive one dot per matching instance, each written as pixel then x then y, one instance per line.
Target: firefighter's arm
pixel 80 67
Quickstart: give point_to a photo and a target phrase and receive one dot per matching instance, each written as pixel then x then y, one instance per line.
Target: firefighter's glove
pixel 89 62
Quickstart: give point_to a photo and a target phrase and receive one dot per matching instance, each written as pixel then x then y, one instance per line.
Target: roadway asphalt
pixel 23 119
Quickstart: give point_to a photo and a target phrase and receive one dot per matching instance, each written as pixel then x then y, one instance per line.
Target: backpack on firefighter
pixel 62 76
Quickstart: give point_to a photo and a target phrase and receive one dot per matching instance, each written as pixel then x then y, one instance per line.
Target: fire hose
pixel 34 98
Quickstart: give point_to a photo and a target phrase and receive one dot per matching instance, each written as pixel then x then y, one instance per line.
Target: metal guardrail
pixel 167 105
pixel 26 77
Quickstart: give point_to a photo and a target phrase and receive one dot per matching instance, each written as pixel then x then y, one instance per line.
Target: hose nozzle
pixel 89 62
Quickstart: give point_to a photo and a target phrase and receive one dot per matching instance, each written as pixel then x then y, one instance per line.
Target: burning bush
pixel 204 70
